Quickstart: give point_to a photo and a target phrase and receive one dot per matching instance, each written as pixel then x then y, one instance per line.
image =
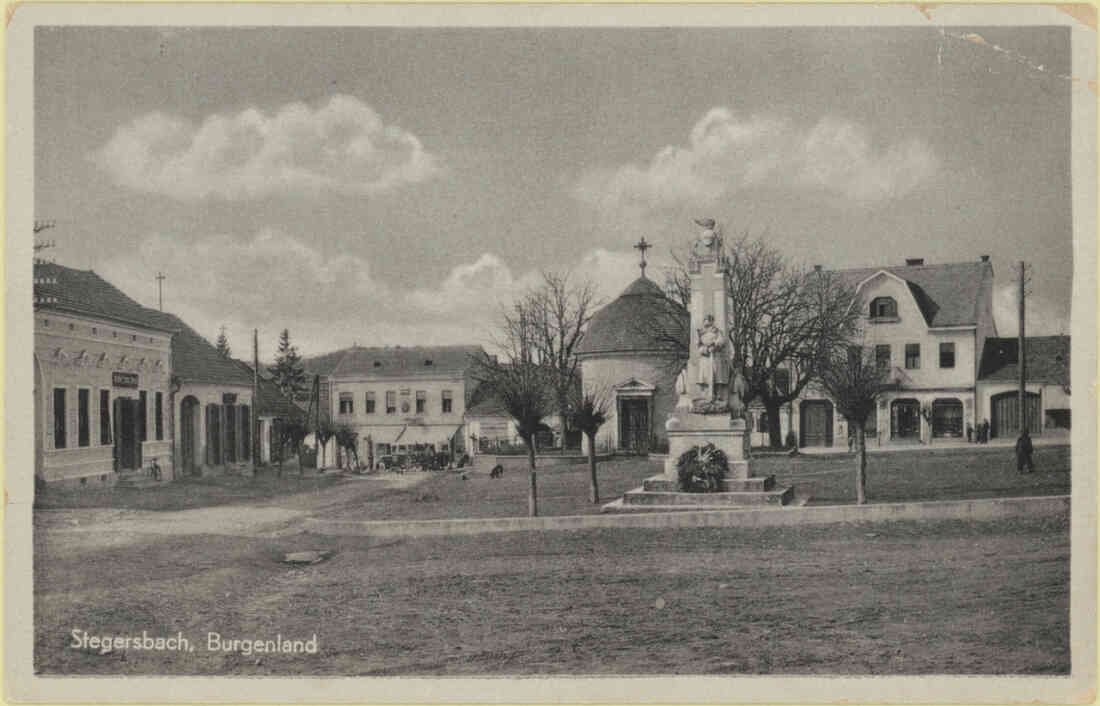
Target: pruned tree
pixel 289 372
pixel 546 325
pixel 855 381
pixel 588 412
pixel 348 440
pixel 783 321
pixel 291 434
pixel 222 344
pixel 324 431
pixel 525 391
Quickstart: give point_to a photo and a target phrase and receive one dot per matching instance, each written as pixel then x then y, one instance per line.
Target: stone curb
pixel 982 509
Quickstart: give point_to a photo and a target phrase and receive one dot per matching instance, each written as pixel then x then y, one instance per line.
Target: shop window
pixel 884 308
pixel 947 418
pixel 158 409
pixel 391 402
pixel 947 355
pixel 421 401
pixel 59 431
pixel 912 356
pixel 370 403
pixel 882 355
pixel 231 423
pixel 448 402
pixel 143 402
pixel 104 417
pixel 246 433
pixel 83 420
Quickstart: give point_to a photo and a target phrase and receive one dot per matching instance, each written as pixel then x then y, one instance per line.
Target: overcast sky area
pixel 396 186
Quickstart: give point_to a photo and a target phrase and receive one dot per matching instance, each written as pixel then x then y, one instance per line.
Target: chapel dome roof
pixel 641 320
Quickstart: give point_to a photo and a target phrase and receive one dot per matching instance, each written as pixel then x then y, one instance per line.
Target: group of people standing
pixel 979 435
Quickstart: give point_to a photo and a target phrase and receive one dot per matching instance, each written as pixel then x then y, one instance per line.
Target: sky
pixel 397 186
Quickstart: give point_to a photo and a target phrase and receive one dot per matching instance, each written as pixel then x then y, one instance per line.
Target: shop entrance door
pixel 127 443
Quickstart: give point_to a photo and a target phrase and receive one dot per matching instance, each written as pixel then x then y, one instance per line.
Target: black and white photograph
pixel 625 353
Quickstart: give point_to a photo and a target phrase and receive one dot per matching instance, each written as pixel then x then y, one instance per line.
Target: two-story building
pixel 398 399
pixel 927 324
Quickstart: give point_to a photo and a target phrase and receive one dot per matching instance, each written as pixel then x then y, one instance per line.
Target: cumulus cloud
pixel 1042 317
pixel 726 153
pixel 483 284
pixel 274 280
pixel 342 146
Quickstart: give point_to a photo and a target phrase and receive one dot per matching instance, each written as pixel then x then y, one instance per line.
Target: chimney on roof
pixel 985 258
pixel 914 261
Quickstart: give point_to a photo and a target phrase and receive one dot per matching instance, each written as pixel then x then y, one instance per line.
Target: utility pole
pixel 160 291
pixel 255 397
pixel 1022 358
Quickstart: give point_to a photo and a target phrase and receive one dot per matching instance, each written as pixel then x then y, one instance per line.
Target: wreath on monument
pixel 702 469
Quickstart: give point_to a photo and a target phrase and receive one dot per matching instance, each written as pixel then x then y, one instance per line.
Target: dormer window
pixel 428 362
pixel 378 364
pixel 884 308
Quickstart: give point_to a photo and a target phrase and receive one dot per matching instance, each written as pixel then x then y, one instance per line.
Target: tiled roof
pixel 948 294
pixel 1047 359
pixel 641 319
pixel 393 361
pixel 270 400
pixel 194 359
pixel 85 292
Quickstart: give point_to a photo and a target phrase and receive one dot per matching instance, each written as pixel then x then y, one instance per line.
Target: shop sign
pixel 229 398
pixel 124 379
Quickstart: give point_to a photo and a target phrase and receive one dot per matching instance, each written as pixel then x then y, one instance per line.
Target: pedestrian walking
pixel 985 431
pixel 969 433
pixel 1023 453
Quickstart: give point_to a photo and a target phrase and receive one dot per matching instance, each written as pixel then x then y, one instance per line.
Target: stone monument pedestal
pixel 741 488
pixel 687 430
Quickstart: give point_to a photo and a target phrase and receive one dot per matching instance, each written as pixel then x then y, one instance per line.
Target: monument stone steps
pixel 778 496
pixel 661 483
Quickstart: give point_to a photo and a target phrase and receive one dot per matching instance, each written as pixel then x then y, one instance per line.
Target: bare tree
pixel 783 321
pixel 524 389
pixel 588 412
pixel 854 381
pixel 547 323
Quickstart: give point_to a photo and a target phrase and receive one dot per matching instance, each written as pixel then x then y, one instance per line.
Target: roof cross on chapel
pixel 642 246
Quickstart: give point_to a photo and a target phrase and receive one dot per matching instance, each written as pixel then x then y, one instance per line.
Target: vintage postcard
pixel 519 353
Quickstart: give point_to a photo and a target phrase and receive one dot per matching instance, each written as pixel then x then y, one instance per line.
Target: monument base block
pixel 741 487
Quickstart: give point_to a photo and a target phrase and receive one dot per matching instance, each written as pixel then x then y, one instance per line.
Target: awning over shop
pixel 437 434
pixel 384 435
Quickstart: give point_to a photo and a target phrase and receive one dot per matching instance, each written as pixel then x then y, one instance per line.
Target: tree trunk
pixel 775 432
pixel 593 483
pixel 861 473
pixel 532 491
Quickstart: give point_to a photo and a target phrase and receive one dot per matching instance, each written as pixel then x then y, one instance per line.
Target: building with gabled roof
pixel 928 324
pixel 1047 388
pixel 161 391
pixel 399 399
pixel 102 381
